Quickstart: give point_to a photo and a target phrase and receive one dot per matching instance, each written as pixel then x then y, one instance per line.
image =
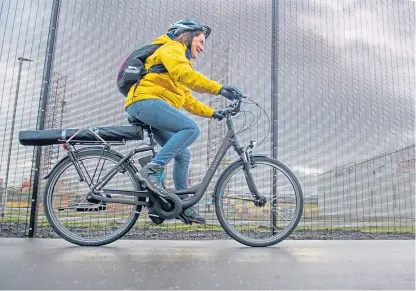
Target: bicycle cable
pixel 245 120
pixel 252 124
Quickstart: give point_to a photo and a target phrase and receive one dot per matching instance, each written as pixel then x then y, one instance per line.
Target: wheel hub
pixel 261 201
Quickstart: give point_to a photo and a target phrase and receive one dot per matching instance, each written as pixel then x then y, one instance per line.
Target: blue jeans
pixel 173 131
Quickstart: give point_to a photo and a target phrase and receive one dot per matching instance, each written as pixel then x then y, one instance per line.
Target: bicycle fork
pixel 248 162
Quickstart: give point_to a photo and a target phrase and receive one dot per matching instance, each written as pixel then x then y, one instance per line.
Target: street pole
pixel 44 94
pixel 274 101
pixel 4 198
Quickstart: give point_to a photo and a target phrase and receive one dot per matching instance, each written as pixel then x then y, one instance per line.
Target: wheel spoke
pixel 90 223
pixel 98 177
pixel 254 225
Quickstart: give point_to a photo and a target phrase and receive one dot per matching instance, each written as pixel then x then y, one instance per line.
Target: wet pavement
pixel 219 264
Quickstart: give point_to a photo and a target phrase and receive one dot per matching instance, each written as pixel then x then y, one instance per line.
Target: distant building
pixel 378 188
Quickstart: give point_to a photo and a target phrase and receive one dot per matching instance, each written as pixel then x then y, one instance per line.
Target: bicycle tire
pixel 220 211
pixel 65 234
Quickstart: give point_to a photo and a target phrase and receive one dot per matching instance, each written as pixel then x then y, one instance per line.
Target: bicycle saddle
pixel 134 121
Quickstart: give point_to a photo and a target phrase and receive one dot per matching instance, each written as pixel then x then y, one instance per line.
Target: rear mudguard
pixel 216 188
pixel 62 160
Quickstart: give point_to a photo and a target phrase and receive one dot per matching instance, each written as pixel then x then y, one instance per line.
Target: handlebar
pixel 235 107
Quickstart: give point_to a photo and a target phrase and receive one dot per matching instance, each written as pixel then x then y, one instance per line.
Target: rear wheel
pixel 76 219
pixel 259 226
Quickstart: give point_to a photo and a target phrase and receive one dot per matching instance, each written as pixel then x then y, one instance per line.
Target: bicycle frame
pixel 229 140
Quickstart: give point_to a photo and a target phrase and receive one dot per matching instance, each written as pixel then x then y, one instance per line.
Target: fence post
pixel 3 196
pixel 42 113
pixel 274 102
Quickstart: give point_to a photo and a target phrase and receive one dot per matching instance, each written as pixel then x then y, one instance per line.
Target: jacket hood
pixel 163 39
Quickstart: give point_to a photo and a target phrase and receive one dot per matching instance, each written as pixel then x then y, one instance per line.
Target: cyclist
pixel 159 96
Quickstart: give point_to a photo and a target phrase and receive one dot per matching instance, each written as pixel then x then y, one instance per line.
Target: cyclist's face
pixel 198 44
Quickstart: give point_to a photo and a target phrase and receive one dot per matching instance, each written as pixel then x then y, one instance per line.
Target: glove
pixel 218 114
pixel 230 92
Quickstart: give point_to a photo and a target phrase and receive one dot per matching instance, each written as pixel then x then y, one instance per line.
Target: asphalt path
pixel 219 264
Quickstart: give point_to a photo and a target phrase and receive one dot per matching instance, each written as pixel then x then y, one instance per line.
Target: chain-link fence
pixel 335 79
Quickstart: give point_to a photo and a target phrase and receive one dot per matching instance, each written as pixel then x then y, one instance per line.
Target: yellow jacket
pixel 173 86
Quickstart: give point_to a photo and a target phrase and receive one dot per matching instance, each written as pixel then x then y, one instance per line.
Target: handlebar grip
pixel 234 108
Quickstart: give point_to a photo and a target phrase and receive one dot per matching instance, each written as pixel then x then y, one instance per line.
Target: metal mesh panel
pixel 93 39
pixel 344 110
pixel 24 33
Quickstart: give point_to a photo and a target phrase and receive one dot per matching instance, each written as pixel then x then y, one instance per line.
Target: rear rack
pixel 99 140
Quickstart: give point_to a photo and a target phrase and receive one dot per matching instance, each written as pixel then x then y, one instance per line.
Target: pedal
pixel 184 219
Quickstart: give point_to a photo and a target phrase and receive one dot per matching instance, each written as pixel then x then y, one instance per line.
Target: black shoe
pixel 152 176
pixel 191 215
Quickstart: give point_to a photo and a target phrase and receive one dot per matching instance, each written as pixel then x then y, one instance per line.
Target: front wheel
pixel 259 226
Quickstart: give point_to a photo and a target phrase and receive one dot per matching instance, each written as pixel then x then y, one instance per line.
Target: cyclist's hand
pixel 230 92
pixel 218 114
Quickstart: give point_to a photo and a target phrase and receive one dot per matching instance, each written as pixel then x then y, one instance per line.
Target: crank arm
pixel 184 219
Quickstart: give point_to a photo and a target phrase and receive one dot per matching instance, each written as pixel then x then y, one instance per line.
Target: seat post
pixel 152 141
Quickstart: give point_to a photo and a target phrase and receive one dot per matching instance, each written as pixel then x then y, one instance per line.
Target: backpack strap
pixel 159 68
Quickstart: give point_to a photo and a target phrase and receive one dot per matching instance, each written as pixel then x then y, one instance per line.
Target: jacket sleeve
pixel 196 107
pixel 179 68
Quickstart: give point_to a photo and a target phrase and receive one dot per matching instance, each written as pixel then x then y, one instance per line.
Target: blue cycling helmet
pixel 190 25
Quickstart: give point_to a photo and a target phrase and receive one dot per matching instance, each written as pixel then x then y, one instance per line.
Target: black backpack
pixel 132 69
